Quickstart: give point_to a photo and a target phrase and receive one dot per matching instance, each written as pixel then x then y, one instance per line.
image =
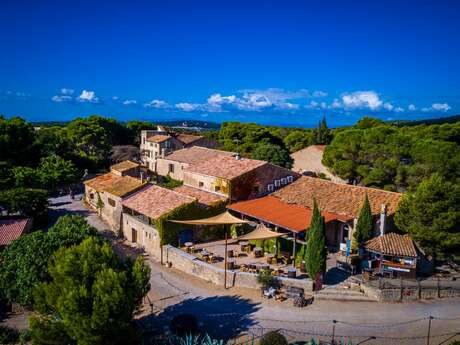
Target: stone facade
pixel 111 209
pixel 143 235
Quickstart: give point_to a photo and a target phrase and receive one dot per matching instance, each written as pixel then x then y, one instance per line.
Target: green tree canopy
pixel 431 215
pixel 363 231
pixel 54 171
pixel 298 139
pixel 16 141
pixel 316 254
pixel 91 297
pixel 273 154
pixel 322 135
pixel 27 202
pixel 24 261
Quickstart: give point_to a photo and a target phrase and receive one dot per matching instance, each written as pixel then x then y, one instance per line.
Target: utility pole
pixel 333 332
pixel 225 259
pixel 429 330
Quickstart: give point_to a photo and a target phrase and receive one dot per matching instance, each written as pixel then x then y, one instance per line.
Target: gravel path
pixel 225 313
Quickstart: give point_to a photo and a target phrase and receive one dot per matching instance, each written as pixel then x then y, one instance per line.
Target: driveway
pixel 227 313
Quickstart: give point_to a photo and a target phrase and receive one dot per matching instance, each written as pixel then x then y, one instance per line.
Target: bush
pixel 8 335
pixel 265 278
pixel 273 338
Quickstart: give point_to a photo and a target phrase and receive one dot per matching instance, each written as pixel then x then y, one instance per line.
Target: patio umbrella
pixel 225 218
pixel 261 232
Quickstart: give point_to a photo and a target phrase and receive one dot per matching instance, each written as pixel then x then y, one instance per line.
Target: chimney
pixel 383 219
pixel 237 156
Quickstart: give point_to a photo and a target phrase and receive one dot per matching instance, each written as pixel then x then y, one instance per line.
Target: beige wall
pixel 110 214
pixel 209 183
pixel 147 235
pixel 163 168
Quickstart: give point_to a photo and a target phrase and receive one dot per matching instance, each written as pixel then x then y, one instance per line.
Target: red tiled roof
pixel 272 210
pixel 123 166
pixel 188 138
pixel 337 198
pixel 154 201
pixel 115 184
pixel 226 167
pixel 158 138
pixel 203 197
pixel 11 229
pixel 392 244
pixel 195 154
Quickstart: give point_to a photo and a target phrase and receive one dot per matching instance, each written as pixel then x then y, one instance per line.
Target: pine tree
pixel 363 231
pixel 322 134
pixel 315 258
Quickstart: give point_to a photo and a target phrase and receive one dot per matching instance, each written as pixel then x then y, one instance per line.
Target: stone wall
pixel 191 265
pixel 147 235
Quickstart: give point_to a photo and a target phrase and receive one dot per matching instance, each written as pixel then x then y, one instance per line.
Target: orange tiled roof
pixel 203 197
pixel 154 201
pixel 392 244
pixel 114 184
pixel 337 198
pixel 273 210
pixel 195 154
pixel 226 167
pixel 11 229
pixel 188 138
pixel 158 138
pixel 319 147
pixel 125 165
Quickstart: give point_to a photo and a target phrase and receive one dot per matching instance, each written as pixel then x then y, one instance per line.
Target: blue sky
pixel 274 62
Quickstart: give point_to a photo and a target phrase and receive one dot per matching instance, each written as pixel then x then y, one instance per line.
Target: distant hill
pixel 437 121
pixel 190 124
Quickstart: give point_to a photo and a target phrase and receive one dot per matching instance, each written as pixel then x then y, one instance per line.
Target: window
pixel 171 168
pixel 277 183
pixel 255 189
pixel 270 187
pixel 290 179
pixel 91 196
pixel 217 188
pixel 112 202
pixel 283 181
pixel 200 184
pixel 143 140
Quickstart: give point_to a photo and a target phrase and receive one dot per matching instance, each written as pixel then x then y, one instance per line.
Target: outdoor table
pixel 245 247
pixel 188 246
pixel 291 272
pixel 231 264
pixel 204 254
pixel 269 258
pixel 262 266
pixel 257 252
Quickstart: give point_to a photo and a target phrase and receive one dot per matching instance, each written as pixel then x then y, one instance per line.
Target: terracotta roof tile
pixel 114 184
pixel 203 197
pixel 11 229
pixel 158 138
pixel 195 154
pixel 154 201
pixel 226 167
pixel 337 198
pixel 188 138
pixel 273 210
pixel 392 244
pixel 123 166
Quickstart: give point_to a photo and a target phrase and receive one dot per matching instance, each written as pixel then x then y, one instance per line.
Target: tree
pixel 363 231
pixel 322 134
pixel 135 128
pixel 16 141
pixel 54 172
pixel 25 177
pixel 431 215
pixel 92 295
pixel 298 139
pixel 316 244
pixel 24 261
pixel 368 122
pixel 27 202
pixel 273 154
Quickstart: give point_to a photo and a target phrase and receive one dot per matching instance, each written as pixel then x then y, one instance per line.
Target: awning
pixel 261 232
pixel 225 218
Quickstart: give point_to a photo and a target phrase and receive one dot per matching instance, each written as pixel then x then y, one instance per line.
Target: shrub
pixel 273 338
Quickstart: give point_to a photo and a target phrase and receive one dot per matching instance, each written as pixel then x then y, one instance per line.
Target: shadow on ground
pixel 335 276
pixel 222 317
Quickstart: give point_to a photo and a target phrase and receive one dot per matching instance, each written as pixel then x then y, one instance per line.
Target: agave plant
pixel 191 339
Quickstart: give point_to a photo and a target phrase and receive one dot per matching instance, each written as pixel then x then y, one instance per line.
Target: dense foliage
pixel 24 262
pixel 394 158
pixel 274 154
pixel 273 338
pixel 316 251
pixel 91 296
pixel 432 216
pixel 363 231
pixel 26 202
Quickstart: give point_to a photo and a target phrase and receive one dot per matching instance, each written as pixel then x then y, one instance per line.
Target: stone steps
pixel 342 295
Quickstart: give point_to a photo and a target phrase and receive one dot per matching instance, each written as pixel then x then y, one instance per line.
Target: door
pixel 133 235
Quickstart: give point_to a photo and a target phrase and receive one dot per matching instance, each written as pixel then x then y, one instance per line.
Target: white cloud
pixel 287 106
pixel 115 98
pixel 362 100
pixel 157 104
pixel 88 96
pixel 188 106
pixel 336 104
pixel 412 107
pixel 319 94
pixel 388 106
pixel 130 102
pixel 399 109
pixel 67 92
pixel 437 107
pixel 61 98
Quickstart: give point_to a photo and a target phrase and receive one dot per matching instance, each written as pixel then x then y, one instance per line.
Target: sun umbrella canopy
pixel 261 232
pixel 225 218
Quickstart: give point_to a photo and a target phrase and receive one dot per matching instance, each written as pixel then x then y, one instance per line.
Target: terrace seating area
pixel 244 257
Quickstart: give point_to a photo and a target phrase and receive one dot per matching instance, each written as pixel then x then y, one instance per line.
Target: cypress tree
pixel 315 258
pixel 363 231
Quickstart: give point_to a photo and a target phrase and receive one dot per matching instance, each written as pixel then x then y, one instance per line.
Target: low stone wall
pixel 191 265
pixel 408 294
